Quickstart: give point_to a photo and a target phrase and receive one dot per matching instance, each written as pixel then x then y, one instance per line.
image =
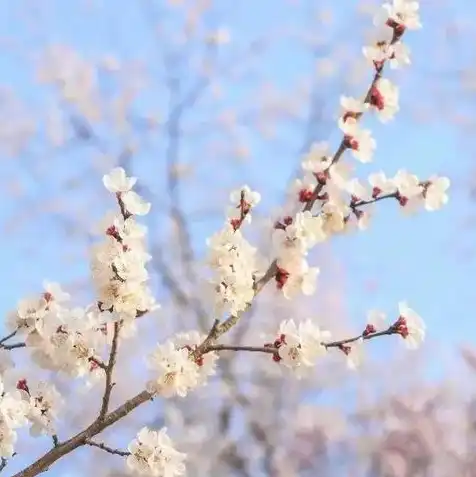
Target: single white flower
pixel 135 204
pixel 174 372
pixel 410 326
pixel 377 320
pixel 55 292
pixel 354 352
pixel 399 55
pixel 302 279
pixel 252 198
pixel 8 438
pixel 381 184
pixel 300 345
pixel 435 194
pixel 117 181
pixel 153 453
pixel 399 13
pixel 352 105
pixel 360 141
pixel 384 98
pixel 317 159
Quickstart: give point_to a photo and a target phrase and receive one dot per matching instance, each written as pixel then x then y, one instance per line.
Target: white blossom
pixel 252 198
pixel 300 345
pixel 352 105
pixel 357 189
pixel 301 235
pixel 117 181
pixel 13 410
pixel 360 141
pixel 302 279
pixel 153 453
pixel 381 184
pixel 8 438
pixel 317 159
pixel 207 363
pixel 435 195
pixel 134 203
pixel 377 319
pixel 354 352
pixel 411 326
pixel 174 372
pixel 44 404
pixel 407 184
pixel 402 12
pixel 384 98
pixel 399 55
pixel 55 293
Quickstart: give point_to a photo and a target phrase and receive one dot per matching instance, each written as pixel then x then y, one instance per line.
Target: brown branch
pixel 98 363
pixel 109 370
pixel 106 448
pixel 44 462
pixel 337 344
pixel 360 203
pixel 272 349
pixel 253 349
pixel 80 439
pixel 6 338
pixel 13 346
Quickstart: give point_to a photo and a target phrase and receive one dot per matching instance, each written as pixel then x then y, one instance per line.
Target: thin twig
pixel 104 447
pixel 11 335
pixel 109 370
pixel 98 363
pixel 253 349
pixel 13 346
pixel 337 344
pixel 331 344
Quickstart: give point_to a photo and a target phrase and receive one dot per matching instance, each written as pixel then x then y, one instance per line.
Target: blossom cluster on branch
pixel 325 201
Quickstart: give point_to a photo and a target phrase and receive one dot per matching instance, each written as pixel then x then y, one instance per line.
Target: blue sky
pixel 417 259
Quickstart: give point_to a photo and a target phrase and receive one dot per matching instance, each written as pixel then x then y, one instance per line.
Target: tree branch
pixel 104 447
pixel 109 370
pixel 272 349
pixel 13 346
pixel 44 462
pixel 6 338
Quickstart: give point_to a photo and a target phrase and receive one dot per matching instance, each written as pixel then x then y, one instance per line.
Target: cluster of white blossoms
pixel 299 346
pixel 44 403
pixel 118 264
pixel 37 406
pixel 59 338
pixel 232 258
pixel 292 239
pixel 176 369
pixel 152 453
pixel 327 184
